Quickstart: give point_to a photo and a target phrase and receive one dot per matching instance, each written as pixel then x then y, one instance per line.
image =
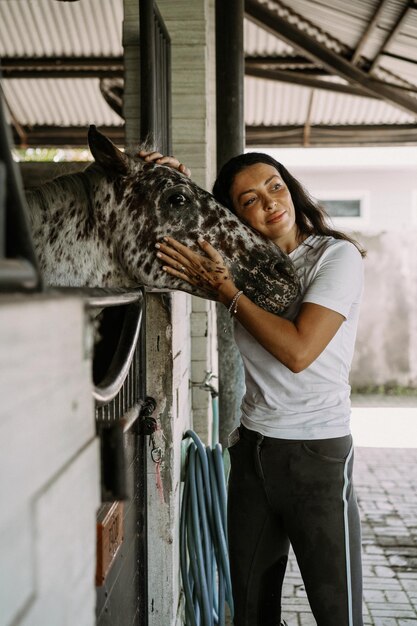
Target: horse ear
pixel 106 154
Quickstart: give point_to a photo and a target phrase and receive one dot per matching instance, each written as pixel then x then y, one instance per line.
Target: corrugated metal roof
pixel 258 42
pixel 274 103
pixel 38 28
pixel 46 28
pixel 59 102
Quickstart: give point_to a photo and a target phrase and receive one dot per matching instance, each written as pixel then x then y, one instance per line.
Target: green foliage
pixel 52 154
pixel 389 389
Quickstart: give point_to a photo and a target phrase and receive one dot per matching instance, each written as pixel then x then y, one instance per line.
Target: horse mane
pixel 77 186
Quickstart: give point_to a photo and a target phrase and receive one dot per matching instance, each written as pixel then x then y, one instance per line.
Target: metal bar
pixel 391 35
pixel 15 273
pixel 111 385
pixel 298 78
pixel 61 67
pixel 147 70
pixel 52 136
pixel 371 27
pixel 391 55
pixel 20 270
pixel 2 209
pixel 229 79
pixel 272 22
pixel 346 135
pixel 306 81
pixel 99 298
pixel 230 142
pixel 283 62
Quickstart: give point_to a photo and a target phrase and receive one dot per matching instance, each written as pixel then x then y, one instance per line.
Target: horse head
pixel 155 200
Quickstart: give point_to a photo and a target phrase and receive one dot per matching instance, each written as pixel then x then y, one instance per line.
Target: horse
pixel 98 228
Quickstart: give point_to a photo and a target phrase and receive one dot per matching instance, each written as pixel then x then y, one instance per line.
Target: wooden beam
pixel 326 135
pixel 271 21
pixel 60 136
pixel 61 67
pixel 391 35
pixel 306 81
pixel 307 123
pixel 297 63
pixel 299 78
pixel 372 25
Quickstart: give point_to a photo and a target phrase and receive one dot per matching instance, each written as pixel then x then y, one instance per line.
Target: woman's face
pixel 262 199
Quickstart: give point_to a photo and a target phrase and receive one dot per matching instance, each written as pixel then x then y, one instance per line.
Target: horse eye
pixel 177 199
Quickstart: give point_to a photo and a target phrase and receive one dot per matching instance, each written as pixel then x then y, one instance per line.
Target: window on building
pixel 342 208
pixel 346 208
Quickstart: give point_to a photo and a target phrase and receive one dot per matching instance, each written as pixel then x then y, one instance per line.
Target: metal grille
pixel 155 51
pixel 118 370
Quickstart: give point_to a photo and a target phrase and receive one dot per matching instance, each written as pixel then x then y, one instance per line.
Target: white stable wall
pixel 49 464
pixel 386 179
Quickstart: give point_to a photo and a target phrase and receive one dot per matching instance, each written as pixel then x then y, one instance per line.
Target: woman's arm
pixel 295 344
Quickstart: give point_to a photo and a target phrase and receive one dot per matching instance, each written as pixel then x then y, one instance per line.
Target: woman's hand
pixel 208 272
pixel 171 161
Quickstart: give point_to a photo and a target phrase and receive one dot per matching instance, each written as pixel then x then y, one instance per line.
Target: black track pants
pixel 297 492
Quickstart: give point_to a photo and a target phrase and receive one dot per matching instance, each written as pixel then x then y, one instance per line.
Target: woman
pixel 291 457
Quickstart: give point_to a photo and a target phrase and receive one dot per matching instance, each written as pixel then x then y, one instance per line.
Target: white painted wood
pixel 17 569
pixel 46 413
pixel 49 463
pixel 65 530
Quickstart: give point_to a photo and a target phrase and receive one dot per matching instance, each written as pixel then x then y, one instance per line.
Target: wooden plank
pixel 65 531
pixel 46 413
pixel 17 571
pixel 109 538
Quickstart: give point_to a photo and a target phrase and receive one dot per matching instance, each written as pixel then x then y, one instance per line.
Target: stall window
pixel 346 209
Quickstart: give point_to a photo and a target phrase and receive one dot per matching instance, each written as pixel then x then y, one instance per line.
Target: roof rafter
pixel 392 34
pixel 68 136
pixel 327 135
pixel 308 80
pixel 297 78
pixel 371 27
pixel 62 67
pixel 270 20
pixel 298 63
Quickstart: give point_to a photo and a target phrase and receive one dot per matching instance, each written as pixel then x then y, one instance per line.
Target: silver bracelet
pixel 233 305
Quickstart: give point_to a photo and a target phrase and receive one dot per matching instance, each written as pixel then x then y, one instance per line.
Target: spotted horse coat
pixel 98 228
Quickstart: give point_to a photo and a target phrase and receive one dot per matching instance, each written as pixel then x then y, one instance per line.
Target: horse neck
pixel 69 221
pixel 74 195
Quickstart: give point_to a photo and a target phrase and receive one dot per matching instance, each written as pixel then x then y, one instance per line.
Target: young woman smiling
pixel 292 455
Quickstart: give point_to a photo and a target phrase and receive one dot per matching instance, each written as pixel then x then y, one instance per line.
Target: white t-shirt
pixel 315 403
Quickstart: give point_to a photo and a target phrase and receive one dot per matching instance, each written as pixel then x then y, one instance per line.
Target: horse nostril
pixel 283 269
pixel 277 267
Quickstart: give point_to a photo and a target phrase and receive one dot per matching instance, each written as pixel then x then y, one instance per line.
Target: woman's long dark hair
pixel 310 217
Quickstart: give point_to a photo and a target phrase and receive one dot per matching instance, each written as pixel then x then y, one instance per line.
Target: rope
pixel 203 541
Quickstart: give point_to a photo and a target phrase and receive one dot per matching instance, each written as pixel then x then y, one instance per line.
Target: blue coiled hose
pixel 203 540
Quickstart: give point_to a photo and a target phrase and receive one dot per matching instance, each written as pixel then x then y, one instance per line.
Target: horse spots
pixel 210 221
pixel 230 224
pixel 112 220
pixel 240 244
